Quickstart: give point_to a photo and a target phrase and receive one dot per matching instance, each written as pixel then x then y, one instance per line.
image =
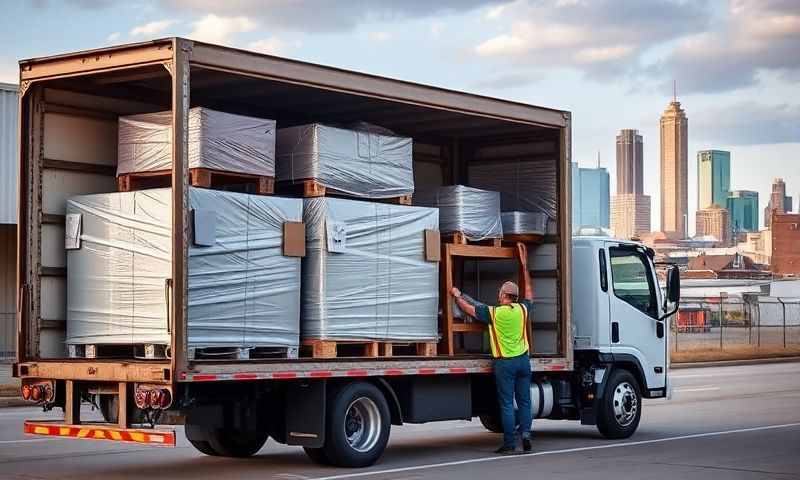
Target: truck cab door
pixel 634 310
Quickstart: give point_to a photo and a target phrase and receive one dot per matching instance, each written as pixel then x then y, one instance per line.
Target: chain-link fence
pixel 728 323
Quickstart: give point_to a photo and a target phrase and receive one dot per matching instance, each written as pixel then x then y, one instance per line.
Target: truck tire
pixel 491 423
pixel 357 426
pixel 620 409
pixel 225 443
pixel 317 455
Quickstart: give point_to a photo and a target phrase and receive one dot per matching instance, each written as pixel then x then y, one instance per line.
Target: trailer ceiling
pixel 296 104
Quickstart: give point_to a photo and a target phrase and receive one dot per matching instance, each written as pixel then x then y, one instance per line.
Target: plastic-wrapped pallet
pixel 524 223
pixel 526 186
pixel 242 291
pixel 365 276
pixel 217 140
pixel 365 161
pixel 474 212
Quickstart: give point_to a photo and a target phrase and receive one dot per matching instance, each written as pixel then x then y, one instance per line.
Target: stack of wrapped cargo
pixel 364 161
pixel 243 292
pixel 472 212
pixel 365 274
pixel 221 143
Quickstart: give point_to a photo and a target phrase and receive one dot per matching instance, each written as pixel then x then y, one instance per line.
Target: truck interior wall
pixel 79 139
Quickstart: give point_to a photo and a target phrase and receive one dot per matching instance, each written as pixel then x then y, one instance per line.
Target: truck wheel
pixel 317 455
pixel 620 410
pixel 491 423
pixel 357 428
pixel 225 443
pixel 228 443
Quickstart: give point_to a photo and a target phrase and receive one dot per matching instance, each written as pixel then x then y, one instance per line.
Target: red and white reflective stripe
pixel 543 364
pixel 164 438
pixel 355 373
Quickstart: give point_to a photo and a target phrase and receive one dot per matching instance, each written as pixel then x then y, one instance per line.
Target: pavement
pixel 731 422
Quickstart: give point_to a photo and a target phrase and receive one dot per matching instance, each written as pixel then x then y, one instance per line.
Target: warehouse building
pixel 8 221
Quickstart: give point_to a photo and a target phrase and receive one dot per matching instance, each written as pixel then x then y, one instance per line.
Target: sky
pixel 610 62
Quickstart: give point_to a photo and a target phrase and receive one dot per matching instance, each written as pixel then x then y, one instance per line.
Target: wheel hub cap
pixel 626 405
pixel 362 424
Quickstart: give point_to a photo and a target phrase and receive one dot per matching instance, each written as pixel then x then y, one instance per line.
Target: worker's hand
pixel 456 293
pixel 522 251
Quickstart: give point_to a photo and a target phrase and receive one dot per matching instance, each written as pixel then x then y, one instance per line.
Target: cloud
pixel 748 123
pixel 436 29
pixel 271 46
pixel 379 36
pixel 220 30
pixel 327 15
pixel 755 36
pixel 602 38
pixel 112 37
pixel 510 80
pixel 151 28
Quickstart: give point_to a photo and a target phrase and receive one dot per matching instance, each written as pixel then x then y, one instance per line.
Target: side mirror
pixel 673 284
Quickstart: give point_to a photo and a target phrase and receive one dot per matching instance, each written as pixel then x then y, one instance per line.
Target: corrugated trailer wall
pixel 8 153
pixel 8 218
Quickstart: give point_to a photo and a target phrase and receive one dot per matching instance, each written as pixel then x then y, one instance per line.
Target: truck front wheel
pixel 357 429
pixel 620 409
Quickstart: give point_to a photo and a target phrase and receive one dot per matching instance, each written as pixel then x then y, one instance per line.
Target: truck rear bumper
pixel 161 438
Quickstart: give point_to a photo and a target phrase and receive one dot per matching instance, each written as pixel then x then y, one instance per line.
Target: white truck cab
pixel 619 320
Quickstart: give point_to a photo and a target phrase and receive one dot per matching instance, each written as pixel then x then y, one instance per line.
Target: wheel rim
pixel 362 424
pixel 626 405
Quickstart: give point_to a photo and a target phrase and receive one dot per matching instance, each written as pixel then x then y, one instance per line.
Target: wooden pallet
pixel 236 353
pixel 528 238
pixel 311 188
pixel 146 351
pixel 198 177
pixel 459 238
pixel 365 348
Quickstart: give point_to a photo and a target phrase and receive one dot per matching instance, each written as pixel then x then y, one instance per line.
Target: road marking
pixel 702 388
pixel 553 452
pixel 28 440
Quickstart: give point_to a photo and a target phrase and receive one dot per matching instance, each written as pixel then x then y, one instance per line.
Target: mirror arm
pixel 661 318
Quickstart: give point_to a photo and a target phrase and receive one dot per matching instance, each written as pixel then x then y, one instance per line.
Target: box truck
pixel 599 333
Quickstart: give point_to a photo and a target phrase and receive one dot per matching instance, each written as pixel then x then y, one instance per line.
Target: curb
pixel 732 363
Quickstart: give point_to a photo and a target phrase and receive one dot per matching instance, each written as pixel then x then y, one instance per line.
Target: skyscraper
pixel 630 215
pixel 630 162
pixel 713 178
pixel 630 207
pixel 714 221
pixel 743 208
pixel 674 170
pixel 778 201
pixel 590 197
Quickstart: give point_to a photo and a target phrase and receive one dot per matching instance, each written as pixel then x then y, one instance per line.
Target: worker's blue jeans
pixel 513 379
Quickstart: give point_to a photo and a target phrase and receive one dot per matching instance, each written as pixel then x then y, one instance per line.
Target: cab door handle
pixel 614 332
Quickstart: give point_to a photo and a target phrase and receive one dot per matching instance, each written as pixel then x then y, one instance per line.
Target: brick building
pixel 785 243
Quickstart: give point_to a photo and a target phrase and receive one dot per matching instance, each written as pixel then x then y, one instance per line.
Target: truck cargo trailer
pixel 599 342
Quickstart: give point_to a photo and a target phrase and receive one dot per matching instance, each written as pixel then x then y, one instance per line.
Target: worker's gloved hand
pixel 455 292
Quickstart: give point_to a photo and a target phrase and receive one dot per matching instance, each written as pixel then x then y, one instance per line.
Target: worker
pixel 508 334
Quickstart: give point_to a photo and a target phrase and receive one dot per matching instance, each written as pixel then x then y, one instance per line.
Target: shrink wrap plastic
pixel 523 185
pixel 367 162
pixel 524 223
pixel 476 213
pixel 365 276
pixel 217 140
pixel 242 291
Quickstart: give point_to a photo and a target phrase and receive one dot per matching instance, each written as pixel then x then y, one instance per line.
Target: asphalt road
pixel 722 423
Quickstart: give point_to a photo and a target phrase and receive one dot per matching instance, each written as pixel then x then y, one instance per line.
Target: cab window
pixel 632 280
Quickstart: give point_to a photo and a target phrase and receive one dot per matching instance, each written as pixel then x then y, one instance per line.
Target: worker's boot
pixel 505 450
pixel 526 445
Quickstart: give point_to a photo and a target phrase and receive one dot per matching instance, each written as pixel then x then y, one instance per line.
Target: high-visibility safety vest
pixel 507 333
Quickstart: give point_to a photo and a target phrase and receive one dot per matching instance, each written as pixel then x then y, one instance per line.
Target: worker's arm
pixel 478 311
pixel 522 252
